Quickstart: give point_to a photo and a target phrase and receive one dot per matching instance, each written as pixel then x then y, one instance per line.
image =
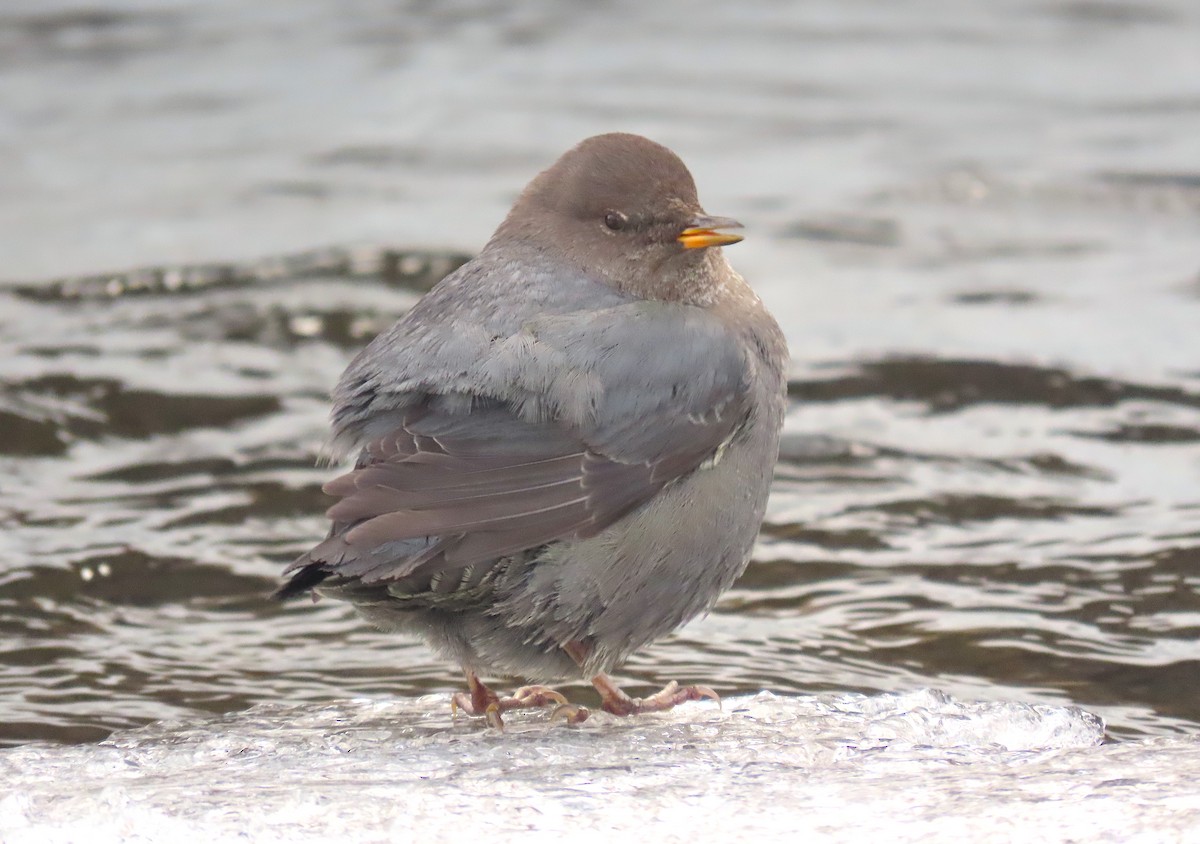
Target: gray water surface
pixel 979 225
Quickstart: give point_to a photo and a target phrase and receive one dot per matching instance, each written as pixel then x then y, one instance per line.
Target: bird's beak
pixel 702 232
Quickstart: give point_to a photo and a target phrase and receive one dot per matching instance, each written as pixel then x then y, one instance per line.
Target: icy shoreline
pixel 905 767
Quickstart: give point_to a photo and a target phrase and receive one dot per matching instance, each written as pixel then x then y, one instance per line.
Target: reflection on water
pixel 990 478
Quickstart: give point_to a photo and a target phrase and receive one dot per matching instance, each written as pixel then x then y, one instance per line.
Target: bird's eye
pixel 615 220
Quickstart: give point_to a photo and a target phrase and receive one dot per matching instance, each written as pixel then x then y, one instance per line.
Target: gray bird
pixel 564 449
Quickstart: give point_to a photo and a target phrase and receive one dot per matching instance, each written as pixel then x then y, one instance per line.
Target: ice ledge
pixel 907 767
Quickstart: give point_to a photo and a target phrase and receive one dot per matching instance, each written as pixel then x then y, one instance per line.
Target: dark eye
pixel 615 220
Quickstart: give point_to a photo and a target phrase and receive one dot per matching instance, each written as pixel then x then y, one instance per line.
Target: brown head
pixel 624 209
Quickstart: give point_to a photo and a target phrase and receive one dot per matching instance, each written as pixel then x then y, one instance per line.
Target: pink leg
pixel 480 700
pixel 615 701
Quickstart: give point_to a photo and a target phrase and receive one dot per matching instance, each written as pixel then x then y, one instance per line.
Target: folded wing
pixel 462 479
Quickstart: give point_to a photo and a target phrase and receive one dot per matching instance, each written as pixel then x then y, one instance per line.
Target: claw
pixel 706 692
pixel 571 713
pixel 492 714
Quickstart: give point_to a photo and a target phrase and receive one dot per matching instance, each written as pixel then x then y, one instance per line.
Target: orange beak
pixel 703 231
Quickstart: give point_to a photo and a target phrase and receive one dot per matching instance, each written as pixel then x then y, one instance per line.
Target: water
pixel 978 226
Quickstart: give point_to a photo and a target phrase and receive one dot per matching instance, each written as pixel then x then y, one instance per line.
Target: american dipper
pixel 564 449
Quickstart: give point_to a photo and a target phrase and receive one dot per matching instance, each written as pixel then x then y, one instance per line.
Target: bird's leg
pixel 615 701
pixel 483 701
pixel 579 651
pixel 478 700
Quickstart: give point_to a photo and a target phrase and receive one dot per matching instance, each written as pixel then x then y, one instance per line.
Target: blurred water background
pixel 979 225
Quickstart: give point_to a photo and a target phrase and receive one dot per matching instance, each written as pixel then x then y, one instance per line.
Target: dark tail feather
pixel 302 581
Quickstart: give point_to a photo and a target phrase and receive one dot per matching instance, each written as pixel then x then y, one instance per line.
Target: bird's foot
pixel 480 700
pixel 491 711
pixel 616 702
pixel 531 697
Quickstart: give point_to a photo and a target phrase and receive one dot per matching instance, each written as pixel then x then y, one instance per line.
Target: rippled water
pixel 979 227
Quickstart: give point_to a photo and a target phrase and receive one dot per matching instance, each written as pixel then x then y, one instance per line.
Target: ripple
pixel 949 385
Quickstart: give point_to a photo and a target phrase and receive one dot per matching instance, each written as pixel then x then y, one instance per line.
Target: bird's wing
pixel 577 420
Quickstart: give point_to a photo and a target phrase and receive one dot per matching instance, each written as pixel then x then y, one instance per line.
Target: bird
pixel 563 451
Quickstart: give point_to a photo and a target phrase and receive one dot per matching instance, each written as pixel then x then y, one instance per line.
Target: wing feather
pixel 448 481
